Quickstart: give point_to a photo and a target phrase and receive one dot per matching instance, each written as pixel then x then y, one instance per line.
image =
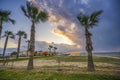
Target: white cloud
pixel 41 45
pixel 36 4
pixel 85 2
pixel 62 17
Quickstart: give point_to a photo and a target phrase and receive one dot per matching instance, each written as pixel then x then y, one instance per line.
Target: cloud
pixel 62 13
pixel 11 43
pixel 70 33
pixel 43 46
pixel 62 16
pixel 36 4
pixel 84 2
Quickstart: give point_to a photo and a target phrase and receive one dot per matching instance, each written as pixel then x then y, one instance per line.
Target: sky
pixel 62 26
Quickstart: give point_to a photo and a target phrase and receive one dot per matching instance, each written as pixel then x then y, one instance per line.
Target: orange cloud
pixel 65 23
pixel 69 35
pixel 61 34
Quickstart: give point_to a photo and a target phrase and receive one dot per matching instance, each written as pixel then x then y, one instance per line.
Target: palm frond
pixel 28 41
pixel 55 48
pixel 94 18
pixel 50 46
pixel 24 11
pixel 33 13
pixel 11 20
pixel 22 33
pixel 25 35
pixel 5 12
pixel 83 19
pixel 97 13
pixel 4 16
pixel 12 36
pixel 29 9
pixel 42 16
pixel 89 21
pixel 9 33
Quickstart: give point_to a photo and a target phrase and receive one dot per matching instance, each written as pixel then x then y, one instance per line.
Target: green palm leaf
pixel 34 14
pixel 22 33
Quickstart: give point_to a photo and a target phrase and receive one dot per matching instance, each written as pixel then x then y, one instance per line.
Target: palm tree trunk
pixel 28 48
pixel 5 46
pixel 89 49
pixel 54 52
pixel 18 49
pixel 32 47
pixel 50 51
pixel 0 29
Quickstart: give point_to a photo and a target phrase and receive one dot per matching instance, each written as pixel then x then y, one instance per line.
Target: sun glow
pixel 78 46
pixel 65 38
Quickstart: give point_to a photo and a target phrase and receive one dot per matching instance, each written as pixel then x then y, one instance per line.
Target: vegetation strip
pixel 31 75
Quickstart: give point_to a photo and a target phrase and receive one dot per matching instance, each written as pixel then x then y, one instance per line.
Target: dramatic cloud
pixel 43 46
pixel 69 33
pixel 63 16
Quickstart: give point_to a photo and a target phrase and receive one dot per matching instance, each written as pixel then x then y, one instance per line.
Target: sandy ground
pixel 44 63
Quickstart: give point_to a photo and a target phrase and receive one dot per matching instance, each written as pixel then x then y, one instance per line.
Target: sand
pixel 52 63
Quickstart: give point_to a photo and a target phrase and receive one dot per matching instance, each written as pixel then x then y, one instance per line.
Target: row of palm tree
pixel 36 16
pixel 9 34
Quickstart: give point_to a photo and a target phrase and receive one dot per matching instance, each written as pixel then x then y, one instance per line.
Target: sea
pixel 103 54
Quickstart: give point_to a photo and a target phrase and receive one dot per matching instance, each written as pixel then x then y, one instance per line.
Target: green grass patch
pixel 107 60
pixel 71 59
pixel 29 75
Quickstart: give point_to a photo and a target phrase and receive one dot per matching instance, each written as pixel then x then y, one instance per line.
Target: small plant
pixel 14 53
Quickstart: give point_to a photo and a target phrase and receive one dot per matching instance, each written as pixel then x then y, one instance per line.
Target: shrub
pixel 14 53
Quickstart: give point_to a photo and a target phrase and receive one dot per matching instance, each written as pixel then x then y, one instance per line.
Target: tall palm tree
pixel 28 41
pixel 20 34
pixel 35 16
pixel 5 17
pixel 88 21
pixel 8 34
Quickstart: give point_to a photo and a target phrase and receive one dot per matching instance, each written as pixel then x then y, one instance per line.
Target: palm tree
pixel 8 34
pixel 35 16
pixel 50 48
pixel 5 17
pixel 20 34
pixel 28 41
pixel 88 22
pixel 54 48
